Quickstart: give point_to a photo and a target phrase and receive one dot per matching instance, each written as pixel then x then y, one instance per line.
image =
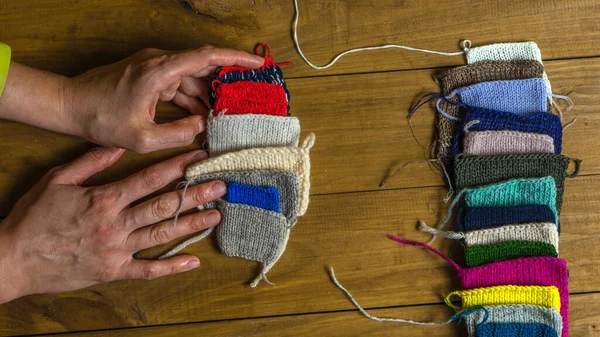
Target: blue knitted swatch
pixel 522 97
pixel 515 330
pixel 261 197
pixel 541 123
pixel 473 218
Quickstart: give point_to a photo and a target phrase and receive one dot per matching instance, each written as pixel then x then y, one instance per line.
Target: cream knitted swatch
pixel 534 232
pixel 291 159
pixel 227 133
pixel 493 143
pixel 518 313
pixel 508 52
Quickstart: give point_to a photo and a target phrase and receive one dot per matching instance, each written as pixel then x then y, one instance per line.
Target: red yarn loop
pixel 265 47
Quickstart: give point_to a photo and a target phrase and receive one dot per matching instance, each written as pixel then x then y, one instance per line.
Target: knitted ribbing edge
pixel 502 295
pixel 485 254
pixel 292 159
pixel 517 313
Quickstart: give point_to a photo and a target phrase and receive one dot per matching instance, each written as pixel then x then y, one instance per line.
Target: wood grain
pixel 346 231
pixel 362 132
pixel 71 36
pixel 584 307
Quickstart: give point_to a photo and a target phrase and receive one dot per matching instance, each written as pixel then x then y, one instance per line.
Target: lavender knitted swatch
pixel 495 143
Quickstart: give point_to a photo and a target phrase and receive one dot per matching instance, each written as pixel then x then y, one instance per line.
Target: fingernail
pixel 192 264
pixel 218 189
pixel 259 59
pixel 202 125
pixel 213 218
pixel 201 155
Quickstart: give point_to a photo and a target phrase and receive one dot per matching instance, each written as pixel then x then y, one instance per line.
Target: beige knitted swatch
pixel 495 143
pixel 288 158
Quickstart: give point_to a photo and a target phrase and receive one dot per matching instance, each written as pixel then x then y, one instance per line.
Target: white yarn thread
pixel 184 244
pixel 466 45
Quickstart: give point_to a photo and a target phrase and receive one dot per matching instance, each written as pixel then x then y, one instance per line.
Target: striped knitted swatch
pixel 290 159
pixel 484 119
pixel 252 233
pixel 474 218
pixel 455 78
pixel 256 196
pixel 502 295
pixel 285 182
pixel 496 143
pixel 484 254
pixel 515 192
pixel 521 97
pixel 251 97
pixel 507 52
pixel 515 329
pixel 518 313
pixel 227 133
pixel 471 171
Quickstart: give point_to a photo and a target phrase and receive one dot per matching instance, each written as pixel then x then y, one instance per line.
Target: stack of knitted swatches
pixel 253 147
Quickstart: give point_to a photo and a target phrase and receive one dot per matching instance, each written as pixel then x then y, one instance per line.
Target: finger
pixel 167 205
pixel 195 62
pixel 196 87
pixel 181 132
pixel 92 162
pixel 151 269
pixel 157 176
pixel 164 231
pixel 191 104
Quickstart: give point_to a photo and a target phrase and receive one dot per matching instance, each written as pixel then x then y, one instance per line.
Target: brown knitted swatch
pixel 471 74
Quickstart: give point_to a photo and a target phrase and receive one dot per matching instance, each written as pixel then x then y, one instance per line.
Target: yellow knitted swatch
pixel 506 295
pixel 287 158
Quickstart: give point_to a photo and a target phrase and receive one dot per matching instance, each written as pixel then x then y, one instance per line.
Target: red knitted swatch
pixel 246 97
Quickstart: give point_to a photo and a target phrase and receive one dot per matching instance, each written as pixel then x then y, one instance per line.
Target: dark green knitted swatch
pixel 472 171
pixel 507 250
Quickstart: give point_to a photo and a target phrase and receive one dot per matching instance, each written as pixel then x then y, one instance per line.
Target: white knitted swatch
pixel 228 133
pixel 291 159
pixel 508 52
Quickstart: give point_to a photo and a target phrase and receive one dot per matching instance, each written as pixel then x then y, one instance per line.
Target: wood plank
pixel 585 309
pixel 346 231
pixel 71 36
pixel 361 128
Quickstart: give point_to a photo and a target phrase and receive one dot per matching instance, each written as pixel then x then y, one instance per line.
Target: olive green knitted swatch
pixel 473 171
pixel 507 250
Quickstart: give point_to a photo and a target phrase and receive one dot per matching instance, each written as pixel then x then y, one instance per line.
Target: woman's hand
pixel 61 236
pixel 115 105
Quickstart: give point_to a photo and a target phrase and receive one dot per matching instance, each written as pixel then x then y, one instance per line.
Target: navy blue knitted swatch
pixel 542 123
pixel 473 218
pixel 261 197
pixel 515 330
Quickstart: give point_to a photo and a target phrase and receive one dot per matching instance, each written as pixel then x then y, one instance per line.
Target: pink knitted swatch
pixel 496 143
pixel 528 271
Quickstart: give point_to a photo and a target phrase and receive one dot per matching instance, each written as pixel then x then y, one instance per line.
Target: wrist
pixel 12 282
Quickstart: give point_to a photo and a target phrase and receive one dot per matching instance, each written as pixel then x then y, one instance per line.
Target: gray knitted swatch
pixel 519 313
pixel 285 182
pixel 252 233
pixel 228 133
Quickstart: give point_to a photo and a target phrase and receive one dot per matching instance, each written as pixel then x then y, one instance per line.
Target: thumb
pixel 92 162
pixel 181 132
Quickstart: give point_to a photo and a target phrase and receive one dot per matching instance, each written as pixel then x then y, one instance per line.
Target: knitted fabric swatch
pixel 508 52
pixel 485 254
pixel 515 329
pixel 501 295
pixel 486 71
pixel 252 233
pixel 496 143
pixel 475 218
pixel 471 171
pixel 291 159
pixel 246 97
pixel 256 196
pixel 521 97
pixel 285 182
pixel 228 133
pixel 518 313
pixel 463 76
pixel 478 119
pixel 515 192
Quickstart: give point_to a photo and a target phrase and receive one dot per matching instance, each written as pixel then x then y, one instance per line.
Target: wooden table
pixel 358 110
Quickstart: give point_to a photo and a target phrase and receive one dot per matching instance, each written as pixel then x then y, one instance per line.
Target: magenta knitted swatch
pixel 527 271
